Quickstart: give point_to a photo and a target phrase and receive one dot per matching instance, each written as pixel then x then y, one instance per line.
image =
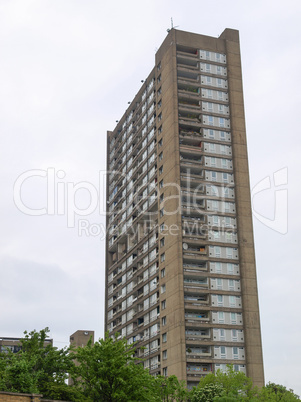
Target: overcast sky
pixel 67 70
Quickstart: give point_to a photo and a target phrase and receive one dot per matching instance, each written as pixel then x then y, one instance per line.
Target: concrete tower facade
pixel 180 262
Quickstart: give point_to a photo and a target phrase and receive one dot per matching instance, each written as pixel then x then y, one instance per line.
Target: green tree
pixel 37 368
pixel 230 384
pixel 275 392
pixel 107 371
pixel 207 393
pixel 171 389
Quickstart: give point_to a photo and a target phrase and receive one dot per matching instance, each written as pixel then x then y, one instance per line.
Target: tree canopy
pixel 233 384
pixel 108 371
pixel 37 368
pixel 236 386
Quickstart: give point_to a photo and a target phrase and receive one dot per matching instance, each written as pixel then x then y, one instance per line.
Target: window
pixel 163 273
pixel 160 117
pixel 164 371
pixel 163 321
pixel 227 195
pixel 153 254
pixel 222 135
pixel 164 337
pixel 218 267
pixel 163 288
pixel 208 68
pixel 164 354
pixel 229 238
pixel 221 318
pixel 223 352
pixel 229 252
pixel 208 80
pixel 213 161
pixel 211 134
pixel 217 251
pixel 162 242
pixel 162 257
pixel 214 191
pixel 212 145
pixel 160 141
pixel 159 78
pixel 213 175
pixel 227 206
pixel 232 301
pixel 163 305
pixel 215 220
pixel 221 122
pixel 161 184
pixel 216 234
pixel 222 334
pixel 209 93
pixel 220 300
pixel 161 169
pixel 161 212
pixel 160 103
pixel 230 269
pixel 161 197
pixel 159 66
pixel 161 156
pixel 162 227
pixel 210 120
pixel 233 318
pixel 219 284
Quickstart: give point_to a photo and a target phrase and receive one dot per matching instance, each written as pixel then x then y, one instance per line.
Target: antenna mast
pixel 171 26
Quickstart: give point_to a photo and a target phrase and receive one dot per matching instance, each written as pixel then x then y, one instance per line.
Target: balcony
pixel 191 158
pixel 189 106
pixel 194 256
pixel 198 353
pixel 185 62
pixel 191 147
pixel 198 371
pixel 197 335
pixel 190 138
pixel 187 75
pixel 155 366
pixel 201 317
pixel 192 194
pixel 187 52
pixel 193 268
pixel 192 300
pixel 195 283
pixel 189 178
pixel 189 91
